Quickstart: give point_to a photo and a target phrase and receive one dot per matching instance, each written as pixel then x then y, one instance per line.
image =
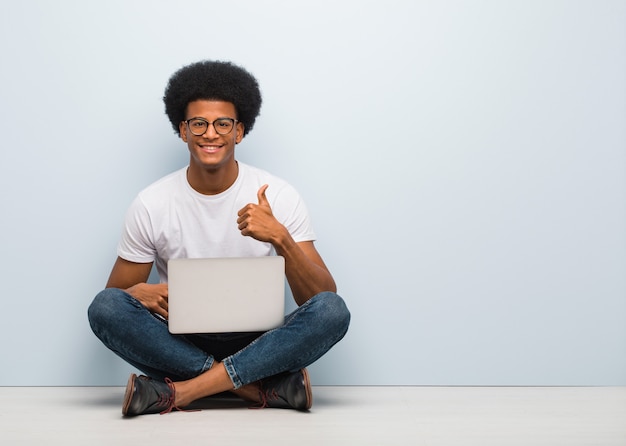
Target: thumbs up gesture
pixel 257 220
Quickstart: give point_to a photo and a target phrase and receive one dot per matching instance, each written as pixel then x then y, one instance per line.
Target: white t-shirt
pixel 169 219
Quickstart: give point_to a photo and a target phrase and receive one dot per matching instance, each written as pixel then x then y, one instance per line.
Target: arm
pixel 131 277
pixel 305 270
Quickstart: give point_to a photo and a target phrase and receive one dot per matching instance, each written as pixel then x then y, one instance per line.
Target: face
pixel 211 151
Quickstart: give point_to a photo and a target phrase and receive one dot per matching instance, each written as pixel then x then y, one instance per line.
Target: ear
pixel 182 129
pixel 240 130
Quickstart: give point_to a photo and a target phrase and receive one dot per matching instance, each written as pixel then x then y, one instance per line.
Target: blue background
pixel 464 164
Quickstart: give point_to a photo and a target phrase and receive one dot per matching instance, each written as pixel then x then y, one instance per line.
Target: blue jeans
pixel 141 339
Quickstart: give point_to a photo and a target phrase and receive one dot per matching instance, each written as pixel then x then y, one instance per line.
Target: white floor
pixel 481 416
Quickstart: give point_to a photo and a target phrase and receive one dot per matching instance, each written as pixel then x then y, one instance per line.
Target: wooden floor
pixel 481 416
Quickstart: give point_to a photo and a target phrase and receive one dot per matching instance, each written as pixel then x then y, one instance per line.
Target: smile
pixel 210 148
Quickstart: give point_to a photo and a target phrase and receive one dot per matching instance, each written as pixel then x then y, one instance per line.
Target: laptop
pixel 223 295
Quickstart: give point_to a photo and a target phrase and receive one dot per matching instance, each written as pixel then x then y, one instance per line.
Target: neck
pixel 209 181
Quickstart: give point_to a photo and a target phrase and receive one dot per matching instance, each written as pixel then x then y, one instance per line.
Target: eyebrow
pixel 204 119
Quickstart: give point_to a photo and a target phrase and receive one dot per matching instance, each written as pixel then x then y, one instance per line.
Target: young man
pixel 216 207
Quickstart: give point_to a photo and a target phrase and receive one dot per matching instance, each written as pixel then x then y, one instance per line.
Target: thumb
pixel 263 201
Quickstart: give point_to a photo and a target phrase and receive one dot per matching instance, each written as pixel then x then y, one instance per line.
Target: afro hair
pixel 213 80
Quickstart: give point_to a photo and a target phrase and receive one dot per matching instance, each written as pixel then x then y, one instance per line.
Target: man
pixel 216 207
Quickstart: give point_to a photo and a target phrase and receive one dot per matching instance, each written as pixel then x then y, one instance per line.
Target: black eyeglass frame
pixel 209 123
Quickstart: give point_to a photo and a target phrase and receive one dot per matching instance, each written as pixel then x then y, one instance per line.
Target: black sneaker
pixel 145 395
pixel 287 391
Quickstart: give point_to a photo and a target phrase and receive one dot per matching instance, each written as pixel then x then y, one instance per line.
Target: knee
pixel 337 315
pixel 104 307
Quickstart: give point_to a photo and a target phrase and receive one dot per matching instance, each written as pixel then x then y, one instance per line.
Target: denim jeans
pixel 143 340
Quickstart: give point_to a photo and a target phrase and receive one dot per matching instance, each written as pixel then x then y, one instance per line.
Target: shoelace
pixel 170 398
pixel 266 397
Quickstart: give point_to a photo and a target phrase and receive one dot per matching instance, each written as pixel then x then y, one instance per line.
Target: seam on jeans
pixel 232 374
pixel 208 364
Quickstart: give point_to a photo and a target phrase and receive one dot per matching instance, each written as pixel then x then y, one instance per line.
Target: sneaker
pixel 145 395
pixel 287 391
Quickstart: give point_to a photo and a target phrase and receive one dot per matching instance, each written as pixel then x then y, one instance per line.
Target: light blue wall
pixel 464 163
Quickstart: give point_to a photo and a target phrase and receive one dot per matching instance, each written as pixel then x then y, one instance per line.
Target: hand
pixel 152 296
pixel 257 220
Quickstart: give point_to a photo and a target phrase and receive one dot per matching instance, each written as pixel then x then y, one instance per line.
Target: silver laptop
pixel 234 294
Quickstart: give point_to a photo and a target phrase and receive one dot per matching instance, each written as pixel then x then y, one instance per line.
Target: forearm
pixel 126 274
pixel 305 270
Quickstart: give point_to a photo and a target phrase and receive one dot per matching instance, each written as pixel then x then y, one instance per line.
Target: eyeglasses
pixel 199 126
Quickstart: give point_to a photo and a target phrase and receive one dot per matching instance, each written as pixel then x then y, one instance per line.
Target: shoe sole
pixel 128 395
pixel 307 386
